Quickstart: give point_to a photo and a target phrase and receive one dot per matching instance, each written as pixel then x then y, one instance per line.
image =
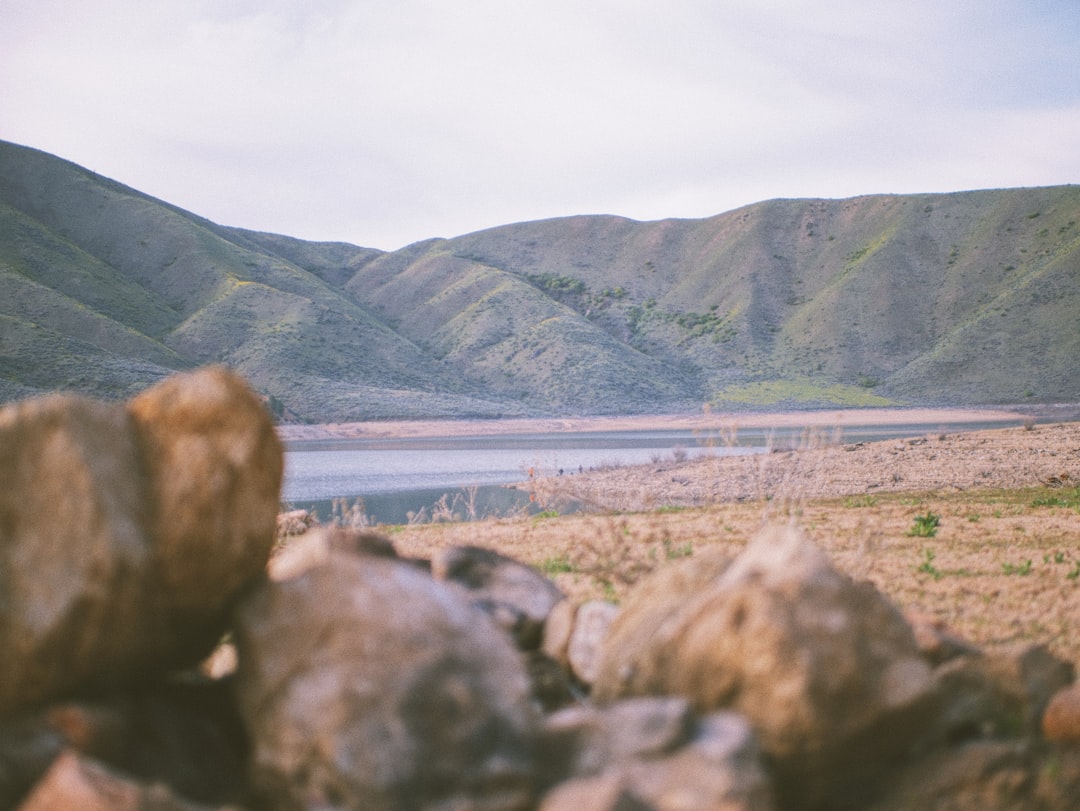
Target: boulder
pixel 126 533
pixel 364 683
pixel 214 466
pixel 826 669
pixel 997 694
pixel 655 753
pixel 517 596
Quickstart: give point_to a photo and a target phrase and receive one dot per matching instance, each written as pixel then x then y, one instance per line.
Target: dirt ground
pixel 819 467
pixel 999 565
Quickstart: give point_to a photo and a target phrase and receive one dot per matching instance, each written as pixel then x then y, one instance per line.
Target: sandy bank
pixel 832 418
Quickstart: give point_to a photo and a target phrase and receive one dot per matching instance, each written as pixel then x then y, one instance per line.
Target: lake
pixel 396 479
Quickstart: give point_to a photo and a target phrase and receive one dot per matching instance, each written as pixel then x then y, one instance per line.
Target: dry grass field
pixel 980 531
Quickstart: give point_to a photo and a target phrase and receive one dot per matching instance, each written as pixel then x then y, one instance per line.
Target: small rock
pixel 77 782
pixel 999 694
pixel 557 630
pixel 721 768
pixel 935 641
pixel 655 753
pixel 518 596
pixel 1061 720
pixel 294 522
pixel 592 622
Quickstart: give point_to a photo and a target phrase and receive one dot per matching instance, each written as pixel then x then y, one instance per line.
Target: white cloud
pixel 386 122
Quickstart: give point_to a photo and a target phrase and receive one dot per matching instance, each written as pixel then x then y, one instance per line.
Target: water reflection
pixel 399 478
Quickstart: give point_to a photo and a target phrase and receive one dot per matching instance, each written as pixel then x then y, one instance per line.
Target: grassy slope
pixel 945 299
pixel 128 275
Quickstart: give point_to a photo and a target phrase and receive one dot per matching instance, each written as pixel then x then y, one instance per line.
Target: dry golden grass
pixel 998 570
pixel 1003 565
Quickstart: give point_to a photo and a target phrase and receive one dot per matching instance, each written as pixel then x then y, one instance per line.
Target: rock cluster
pixel 136 538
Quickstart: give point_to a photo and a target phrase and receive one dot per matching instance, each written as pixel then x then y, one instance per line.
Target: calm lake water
pixel 396 478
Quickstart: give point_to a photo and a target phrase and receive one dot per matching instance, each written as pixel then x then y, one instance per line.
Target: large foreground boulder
pixel 826 669
pixel 364 683
pixel 126 533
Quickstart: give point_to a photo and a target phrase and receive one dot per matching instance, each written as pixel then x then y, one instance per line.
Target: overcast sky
pixel 383 122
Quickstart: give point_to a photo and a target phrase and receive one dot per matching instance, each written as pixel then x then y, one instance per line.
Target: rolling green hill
pixel 946 299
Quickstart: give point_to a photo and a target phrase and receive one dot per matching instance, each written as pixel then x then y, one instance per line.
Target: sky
pixel 385 122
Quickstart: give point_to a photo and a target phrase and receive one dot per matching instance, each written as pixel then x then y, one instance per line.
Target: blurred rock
pixel 1061 719
pixel 997 694
pixel 126 534
pixel 294 522
pixel 214 467
pixel 364 683
pixel 935 641
pixel 557 629
pixel 592 623
pixel 76 782
pixel 826 669
pixel 517 596
pixel 655 753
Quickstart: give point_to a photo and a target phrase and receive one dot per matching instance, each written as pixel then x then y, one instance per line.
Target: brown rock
pixel 1000 694
pixel 125 535
pixel 978 776
pixel 935 641
pixel 366 684
pixel 214 466
pixel 72 547
pixel 1061 720
pixel 825 669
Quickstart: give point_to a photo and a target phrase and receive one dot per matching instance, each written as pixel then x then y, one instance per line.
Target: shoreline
pixel 825 418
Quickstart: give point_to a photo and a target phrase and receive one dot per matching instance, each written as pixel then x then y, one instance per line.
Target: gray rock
pixel 366 684
pixel 655 753
pixel 592 623
pixel 517 596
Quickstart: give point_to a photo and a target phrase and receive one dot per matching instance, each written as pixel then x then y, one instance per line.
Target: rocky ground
pixel 771 650
pixel 821 467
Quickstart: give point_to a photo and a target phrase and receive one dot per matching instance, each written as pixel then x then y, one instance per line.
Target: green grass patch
pixel 556 565
pixel 797 392
pixel 925 526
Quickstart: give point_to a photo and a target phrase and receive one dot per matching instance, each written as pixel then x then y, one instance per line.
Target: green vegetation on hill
pixel 966 298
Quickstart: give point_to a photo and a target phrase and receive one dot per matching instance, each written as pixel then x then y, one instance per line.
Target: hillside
pixel 949 299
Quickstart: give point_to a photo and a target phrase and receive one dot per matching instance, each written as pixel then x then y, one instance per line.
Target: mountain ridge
pixel 966 298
